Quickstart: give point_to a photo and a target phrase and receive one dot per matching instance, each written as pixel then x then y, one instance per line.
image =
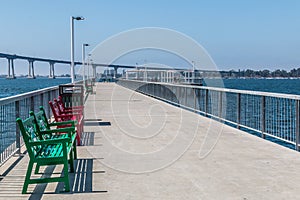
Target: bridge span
pixel 11 67
pixel 31 60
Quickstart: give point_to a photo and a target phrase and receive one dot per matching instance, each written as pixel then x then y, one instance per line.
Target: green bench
pixel 43 150
pixel 50 130
pixel 88 87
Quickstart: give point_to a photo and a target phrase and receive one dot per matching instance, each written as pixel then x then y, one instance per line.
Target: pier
pixel 139 147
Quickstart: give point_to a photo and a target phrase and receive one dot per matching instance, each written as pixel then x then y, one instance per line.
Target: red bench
pixel 76 109
pixel 60 116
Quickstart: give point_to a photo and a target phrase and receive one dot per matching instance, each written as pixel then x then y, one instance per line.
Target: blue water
pixel 10 87
pixel 287 86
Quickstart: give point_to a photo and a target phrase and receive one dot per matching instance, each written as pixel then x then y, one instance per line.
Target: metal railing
pixel 19 106
pixel 268 114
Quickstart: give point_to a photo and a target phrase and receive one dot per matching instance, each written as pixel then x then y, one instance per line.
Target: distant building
pixel 166 76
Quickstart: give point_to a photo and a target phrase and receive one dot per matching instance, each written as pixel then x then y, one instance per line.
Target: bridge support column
pixel 51 72
pixel 11 67
pixel 30 69
pixel 8 73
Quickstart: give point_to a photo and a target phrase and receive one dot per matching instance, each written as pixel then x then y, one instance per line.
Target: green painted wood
pixel 43 128
pixel 50 150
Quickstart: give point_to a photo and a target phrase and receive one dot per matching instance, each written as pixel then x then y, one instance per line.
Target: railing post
pixel 18 138
pixel 42 99
pixel 32 103
pixel 195 98
pixel 220 105
pixel 178 93
pixel 153 89
pixel 185 94
pixel 238 114
pixel 206 102
pixel 297 124
pixel 263 117
pixel 49 98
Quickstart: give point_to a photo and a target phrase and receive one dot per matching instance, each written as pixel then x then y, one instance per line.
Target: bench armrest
pixel 75 107
pixel 65 115
pixel 59 130
pixel 72 122
pixel 50 141
pixel 71 112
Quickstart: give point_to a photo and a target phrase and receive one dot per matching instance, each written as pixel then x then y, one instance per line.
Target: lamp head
pixel 78 18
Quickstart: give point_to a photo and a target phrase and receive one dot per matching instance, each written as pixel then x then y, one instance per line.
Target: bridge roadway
pixel 136 147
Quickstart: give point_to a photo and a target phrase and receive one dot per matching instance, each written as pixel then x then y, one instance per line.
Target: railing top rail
pixel 258 93
pixel 19 97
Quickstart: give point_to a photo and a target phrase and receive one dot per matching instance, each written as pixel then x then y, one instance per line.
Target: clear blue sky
pixel 238 34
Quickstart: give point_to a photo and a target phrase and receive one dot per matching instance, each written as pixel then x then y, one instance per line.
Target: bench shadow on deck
pixel 80 181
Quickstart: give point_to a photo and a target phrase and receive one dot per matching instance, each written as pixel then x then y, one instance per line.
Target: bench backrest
pixel 59 106
pixel 29 134
pixel 60 103
pixel 55 110
pixel 40 119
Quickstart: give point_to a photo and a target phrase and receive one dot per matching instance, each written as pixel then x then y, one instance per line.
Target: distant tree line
pixel 261 73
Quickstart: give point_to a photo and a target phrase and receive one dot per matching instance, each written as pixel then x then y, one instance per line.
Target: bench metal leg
pixel 27 178
pixel 75 150
pixel 66 176
pixel 71 161
pixel 37 168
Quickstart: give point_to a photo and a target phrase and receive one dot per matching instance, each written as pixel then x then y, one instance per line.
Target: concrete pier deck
pixel 136 147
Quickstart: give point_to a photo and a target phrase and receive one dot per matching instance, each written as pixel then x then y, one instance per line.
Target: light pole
pixel 193 75
pixel 83 60
pixel 89 63
pixel 145 73
pixel 137 72
pixel 72 46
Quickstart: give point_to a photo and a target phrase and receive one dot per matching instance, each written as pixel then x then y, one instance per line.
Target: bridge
pixel 11 68
pixel 31 60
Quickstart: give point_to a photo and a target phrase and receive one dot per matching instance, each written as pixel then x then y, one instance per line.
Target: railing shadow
pixel 87 138
pixel 81 181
